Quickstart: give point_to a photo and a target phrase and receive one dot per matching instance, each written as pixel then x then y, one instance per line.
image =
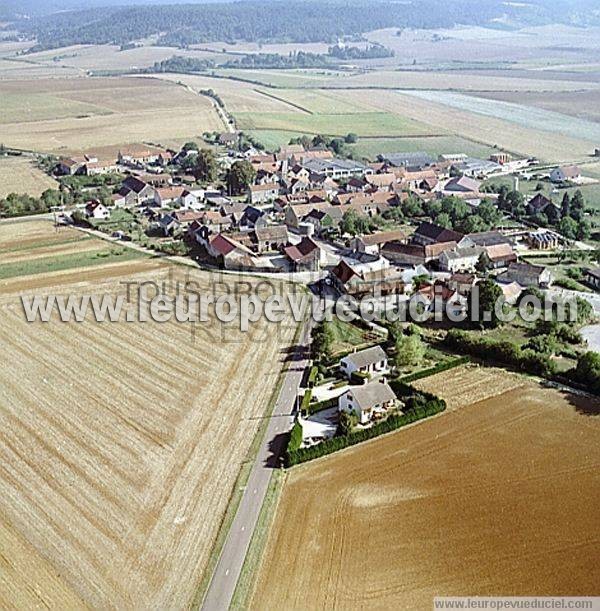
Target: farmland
pixel 19 175
pixel 55 115
pixel 112 486
pixel 508 481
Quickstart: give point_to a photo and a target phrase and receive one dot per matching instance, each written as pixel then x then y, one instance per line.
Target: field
pixel 54 115
pixel 121 444
pixel 495 497
pixel 19 175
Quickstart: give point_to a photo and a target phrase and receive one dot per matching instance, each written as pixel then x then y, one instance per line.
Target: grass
pixel 437 145
pixel 64 262
pixel 249 574
pixel 20 175
pixel 361 123
pixel 346 335
pixel 31 246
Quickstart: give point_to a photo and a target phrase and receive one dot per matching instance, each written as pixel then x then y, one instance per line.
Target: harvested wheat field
pixel 20 175
pixel 121 443
pixel 499 497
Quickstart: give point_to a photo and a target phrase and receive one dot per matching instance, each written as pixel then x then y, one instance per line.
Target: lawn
pixel 347 336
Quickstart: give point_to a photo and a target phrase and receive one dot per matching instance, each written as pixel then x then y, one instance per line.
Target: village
pixel 407 226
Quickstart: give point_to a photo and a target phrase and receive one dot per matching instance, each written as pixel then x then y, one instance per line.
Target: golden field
pixel 497 496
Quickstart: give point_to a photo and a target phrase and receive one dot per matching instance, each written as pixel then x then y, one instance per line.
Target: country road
pixel 225 577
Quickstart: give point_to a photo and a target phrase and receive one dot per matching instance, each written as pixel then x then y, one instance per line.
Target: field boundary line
pixel 287 102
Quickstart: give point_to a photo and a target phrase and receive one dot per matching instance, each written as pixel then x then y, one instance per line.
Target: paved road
pixel 224 579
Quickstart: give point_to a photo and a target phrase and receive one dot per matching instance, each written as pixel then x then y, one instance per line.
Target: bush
pixel 587 372
pixel 306 399
pixel 295 440
pixel 502 352
pixel 312 376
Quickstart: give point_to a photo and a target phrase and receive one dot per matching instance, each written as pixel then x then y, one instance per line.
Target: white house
pixel 96 210
pixel 565 173
pixel 460 259
pixel 371 360
pixel 168 196
pixel 190 201
pixel 367 401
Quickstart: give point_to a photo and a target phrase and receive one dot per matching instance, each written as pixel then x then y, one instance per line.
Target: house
pixel 96 210
pixel 139 156
pixel 229 139
pixel 412 179
pixel 500 255
pixel 306 256
pixel 271 237
pixel 252 217
pixel 592 277
pixel 322 216
pixel 136 192
pixel 428 233
pixel 501 158
pixel 538 203
pixel 367 275
pixel 414 254
pixel 70 166
pixel 566 173
pixel 418 160
pixel 373 243
pixel 485 239
pixel 186 217
pixel 462 184
pixel 462 283
pixel 381 181
pixel 229 253
pixel 369 361
pixel 440 297
pixel 460 259
pixel 168 224
pixel 190 200
pixel 368 402
pixel 527 275
pixel 260 194
pixel 511 291
pixel 168 196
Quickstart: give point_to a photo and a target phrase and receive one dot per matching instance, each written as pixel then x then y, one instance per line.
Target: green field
pixel 363 123
pixel 64 262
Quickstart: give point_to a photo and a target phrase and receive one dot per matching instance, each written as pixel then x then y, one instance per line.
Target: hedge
pixel 396 421
pixel 306 399
pixel 295 440
pixel 445 366
pixel 359 377
pixel 313 408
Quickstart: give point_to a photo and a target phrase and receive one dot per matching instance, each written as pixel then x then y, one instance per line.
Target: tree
pixel 347 423
pixel 190 146
pixel 240 176
pixel 296 437
pixel 484 263
pixel 565 207
pixel 351 138
pixel 206 165
pixel 322 342
pixel 568 227
pixel 553 214
pixel 544 344
pixel 489 295
pixel 412 207
pixel 410 350
pixel 584 230
pixel 443 220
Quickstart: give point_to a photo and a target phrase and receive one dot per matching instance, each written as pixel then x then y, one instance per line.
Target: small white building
pixel 96 210
pixel 368 401
pixel 570 173
pixel 460 259
pixel 371 360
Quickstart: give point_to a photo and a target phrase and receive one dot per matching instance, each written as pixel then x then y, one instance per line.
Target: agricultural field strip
pixel 144 479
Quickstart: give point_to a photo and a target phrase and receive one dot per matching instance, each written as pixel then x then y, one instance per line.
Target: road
pixel 225 577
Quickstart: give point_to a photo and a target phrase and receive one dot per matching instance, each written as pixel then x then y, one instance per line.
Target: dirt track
pixel 120 445
pixel 497 497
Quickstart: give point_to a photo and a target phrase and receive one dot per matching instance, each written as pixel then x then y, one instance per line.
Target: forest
pixel 294 21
